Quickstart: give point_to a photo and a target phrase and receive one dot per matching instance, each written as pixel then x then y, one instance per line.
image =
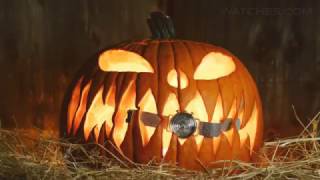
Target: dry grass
pixel 22 156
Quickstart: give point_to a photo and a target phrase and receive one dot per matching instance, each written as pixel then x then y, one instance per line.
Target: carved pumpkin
pixel 177 101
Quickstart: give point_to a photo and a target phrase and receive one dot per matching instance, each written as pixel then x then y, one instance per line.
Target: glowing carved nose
pixel 173 79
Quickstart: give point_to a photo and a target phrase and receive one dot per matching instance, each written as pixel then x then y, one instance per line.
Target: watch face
pixel 183 124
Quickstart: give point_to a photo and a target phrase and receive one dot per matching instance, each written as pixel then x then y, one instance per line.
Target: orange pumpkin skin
pixel 96 108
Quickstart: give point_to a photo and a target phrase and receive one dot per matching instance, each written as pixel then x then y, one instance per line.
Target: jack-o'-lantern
pixel 177 101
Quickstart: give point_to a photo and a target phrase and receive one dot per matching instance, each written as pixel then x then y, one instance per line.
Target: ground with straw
pixel 24 155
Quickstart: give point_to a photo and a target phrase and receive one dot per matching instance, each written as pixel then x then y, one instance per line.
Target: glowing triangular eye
pixel 118 60
pixel 214 65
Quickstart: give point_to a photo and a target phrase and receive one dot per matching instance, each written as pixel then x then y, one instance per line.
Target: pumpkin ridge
pixel 178 74
pixel 176 93
pixel 142 146
pixel 158 71
pixel 196 87
pixel 158 63
pixel 117 102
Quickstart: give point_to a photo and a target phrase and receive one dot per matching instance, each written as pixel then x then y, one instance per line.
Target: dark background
pixel 44 42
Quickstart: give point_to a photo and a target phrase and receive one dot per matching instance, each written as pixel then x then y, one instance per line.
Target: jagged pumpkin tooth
pixel 147 104
pixel 245 150
pixel 224 151
pixel 233 110
pixel 218 113
pixel 209 91
pixel 206 153
pixel 244 145
pixel 102 138
pixel 235 141
pixel 153 150
pixel 187 154
pixel 237 152
pixel 171 155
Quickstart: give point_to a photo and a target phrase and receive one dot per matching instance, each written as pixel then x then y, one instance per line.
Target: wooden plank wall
pixel 43 43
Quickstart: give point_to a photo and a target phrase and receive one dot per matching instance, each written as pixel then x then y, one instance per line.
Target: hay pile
pixel 22 156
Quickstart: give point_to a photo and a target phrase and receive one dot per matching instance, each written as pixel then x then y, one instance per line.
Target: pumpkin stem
pixel 161 26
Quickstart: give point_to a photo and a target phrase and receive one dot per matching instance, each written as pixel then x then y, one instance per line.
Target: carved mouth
pixel 183 124
pixel 103 111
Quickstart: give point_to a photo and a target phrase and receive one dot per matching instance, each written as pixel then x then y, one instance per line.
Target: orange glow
pixel 98 113
pixel 73 105
pixel 82 108
pixel 172 79
pixel 214 65
pixel 123 61
pixel 197 108
pixel 125 98
pixel 147 104
pixel 181 141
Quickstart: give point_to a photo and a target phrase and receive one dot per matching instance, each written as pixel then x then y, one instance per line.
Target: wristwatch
pixel 184 124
